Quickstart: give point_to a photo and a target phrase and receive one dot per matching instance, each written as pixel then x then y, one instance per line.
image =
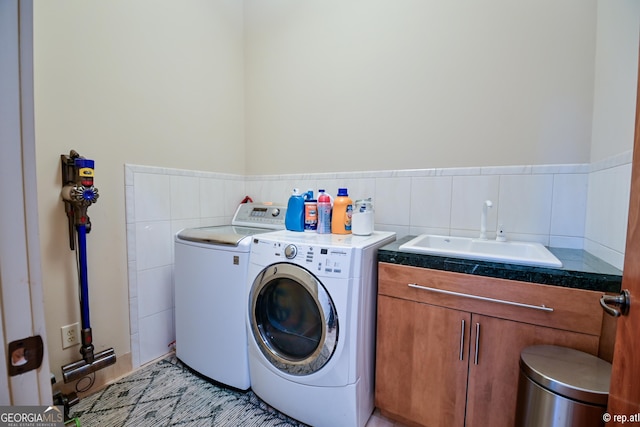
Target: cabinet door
pixel 493 381
pixel 422 361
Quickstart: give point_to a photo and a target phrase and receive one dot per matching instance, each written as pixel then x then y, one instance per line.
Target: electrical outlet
pixel 70 335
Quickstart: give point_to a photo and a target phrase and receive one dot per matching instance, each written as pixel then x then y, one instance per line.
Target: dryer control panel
pixel 260 215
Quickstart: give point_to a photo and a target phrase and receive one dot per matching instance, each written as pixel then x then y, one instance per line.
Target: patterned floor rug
pixel 167 393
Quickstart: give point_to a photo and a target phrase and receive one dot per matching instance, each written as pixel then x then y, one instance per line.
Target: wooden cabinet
pixel 448 353
pixel 492 382
pixel 415 378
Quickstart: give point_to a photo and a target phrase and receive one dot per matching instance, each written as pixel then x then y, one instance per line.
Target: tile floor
pixel 377 420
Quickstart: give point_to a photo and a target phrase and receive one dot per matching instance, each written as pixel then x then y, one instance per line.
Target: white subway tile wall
pixel 609 187
pixel 159 203
pixel 574 206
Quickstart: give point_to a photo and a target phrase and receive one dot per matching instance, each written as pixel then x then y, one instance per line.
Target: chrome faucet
pixel 483 219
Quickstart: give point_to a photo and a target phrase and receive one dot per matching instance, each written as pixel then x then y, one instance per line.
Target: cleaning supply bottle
pixel 294 219
pixel 342 211
pixel 362 219
pixel 310 212
pixel 324 212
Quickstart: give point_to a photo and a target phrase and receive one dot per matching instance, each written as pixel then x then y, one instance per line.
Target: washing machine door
pixel 293 319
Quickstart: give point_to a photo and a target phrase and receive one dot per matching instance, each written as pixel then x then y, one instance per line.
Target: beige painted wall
pixel 616 76
pixel 616 79
pixel 145 82
pixel 379 84
pixel 338 85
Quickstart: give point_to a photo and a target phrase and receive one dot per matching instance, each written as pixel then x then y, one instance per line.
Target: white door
pixel 22 307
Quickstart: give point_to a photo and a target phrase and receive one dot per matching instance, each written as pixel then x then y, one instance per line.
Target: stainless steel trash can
pixel 561 386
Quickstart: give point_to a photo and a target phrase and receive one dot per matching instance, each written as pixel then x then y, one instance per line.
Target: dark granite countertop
pixel 580 269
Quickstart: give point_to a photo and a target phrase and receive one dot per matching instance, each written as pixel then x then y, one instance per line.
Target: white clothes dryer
pixel 311 321
pixel 210 270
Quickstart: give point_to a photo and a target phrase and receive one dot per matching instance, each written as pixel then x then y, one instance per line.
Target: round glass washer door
pixel 293 319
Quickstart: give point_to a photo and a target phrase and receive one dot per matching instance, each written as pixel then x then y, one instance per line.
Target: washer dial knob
pixel 290 251
pixel 275 212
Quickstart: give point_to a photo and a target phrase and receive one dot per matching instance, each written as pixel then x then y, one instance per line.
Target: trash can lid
pixel 571 373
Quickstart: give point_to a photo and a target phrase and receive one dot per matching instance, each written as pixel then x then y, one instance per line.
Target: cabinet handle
pixel 477 342
pixel 462 341
pixel 498 301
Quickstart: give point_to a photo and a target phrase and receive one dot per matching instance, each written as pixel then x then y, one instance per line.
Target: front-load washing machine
pixel 311 321
pixel 211 265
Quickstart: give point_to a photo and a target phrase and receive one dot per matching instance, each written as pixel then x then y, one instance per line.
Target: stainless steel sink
pixel 512 252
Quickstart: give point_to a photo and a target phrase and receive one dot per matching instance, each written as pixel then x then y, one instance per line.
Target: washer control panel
pixel 330 261
pixel 290 251
pixel 320 260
